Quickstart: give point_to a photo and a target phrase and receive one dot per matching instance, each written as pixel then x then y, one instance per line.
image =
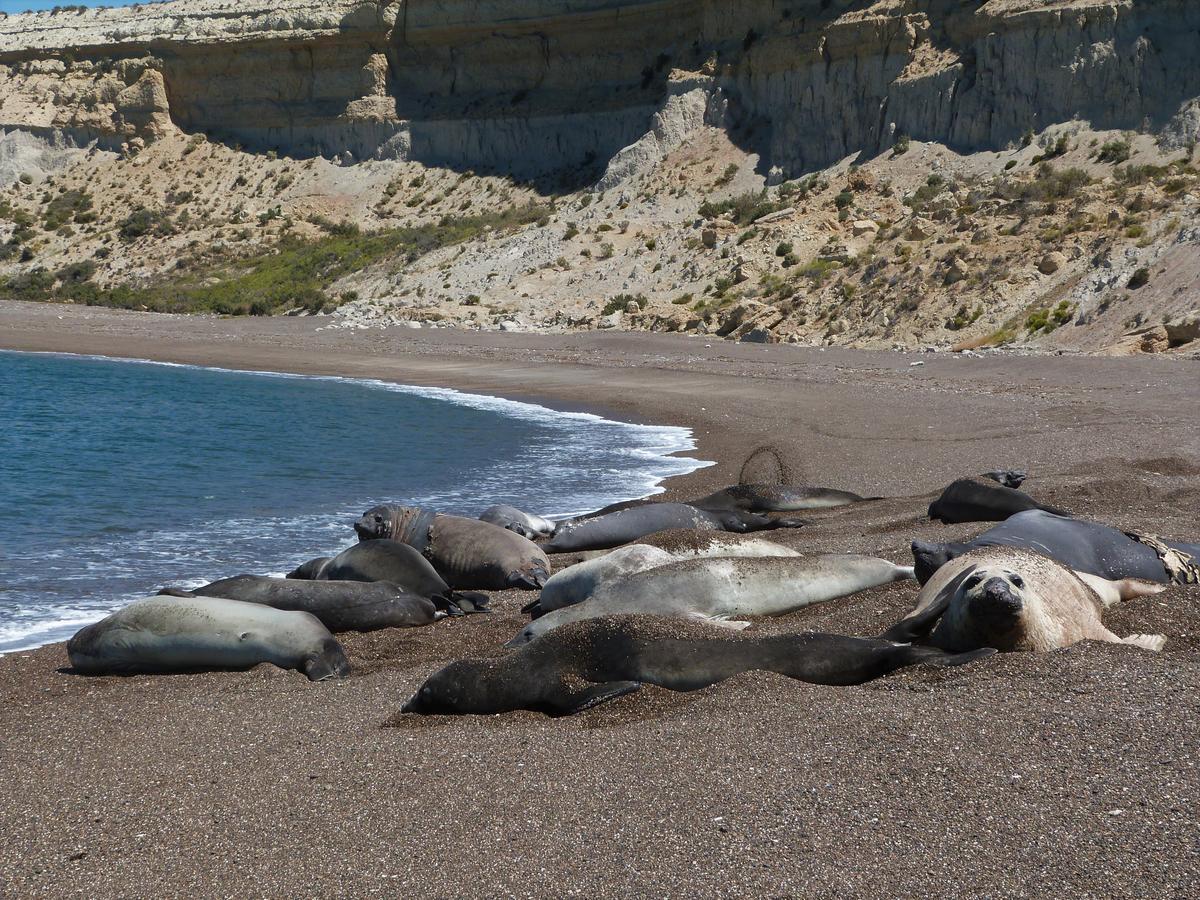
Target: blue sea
pixel 120 477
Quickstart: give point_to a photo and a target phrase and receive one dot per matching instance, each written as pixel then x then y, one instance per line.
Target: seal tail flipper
pixel 533 580
pixel 1153 642
pixel 1113 592
pixel 724 622
pixel 175 592
pixel 789 522
pixel 594 696
pixel 464 603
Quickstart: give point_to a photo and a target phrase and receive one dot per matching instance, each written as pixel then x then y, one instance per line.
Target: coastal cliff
pixel 558 96
pixel 546 85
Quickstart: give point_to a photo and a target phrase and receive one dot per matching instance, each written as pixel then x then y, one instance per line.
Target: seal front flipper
pixel 917 625
pixel 578 701
pixel 942 658
pixel 533 610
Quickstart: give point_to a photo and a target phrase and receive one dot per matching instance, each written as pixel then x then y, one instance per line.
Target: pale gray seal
pixel 340 605
pixel 720 590
pixel 577 583
pixel 588 663
pixel 468 553
pixel 176 634
pixel 628 525
pixel 525 524
pixel 761 498
pixel 1013 599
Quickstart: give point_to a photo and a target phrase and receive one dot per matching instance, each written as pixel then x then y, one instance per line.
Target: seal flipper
pixel 931 656
pixel 534 609
pixel 917 626
pixel 463 603
pixel 533 580
pixel 1153 642
pixel 578 701
pixel 175 592
pixel 1009 478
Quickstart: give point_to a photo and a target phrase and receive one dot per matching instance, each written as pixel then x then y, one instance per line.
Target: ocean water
pixel 121 477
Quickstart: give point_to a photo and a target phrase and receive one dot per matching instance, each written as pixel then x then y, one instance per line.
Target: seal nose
pixel 999 595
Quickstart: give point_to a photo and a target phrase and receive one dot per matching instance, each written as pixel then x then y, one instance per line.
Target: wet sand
pixel 1072 772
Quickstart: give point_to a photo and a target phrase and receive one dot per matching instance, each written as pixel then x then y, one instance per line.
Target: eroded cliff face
pixel 542 87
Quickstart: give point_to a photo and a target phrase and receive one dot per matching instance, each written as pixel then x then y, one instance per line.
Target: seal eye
pixel 1017 581
pixel 972 582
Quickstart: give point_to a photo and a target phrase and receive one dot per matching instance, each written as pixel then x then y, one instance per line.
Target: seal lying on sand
pixel 525 524
pixel 971 500
pixel 628 525
pixel 756 498
pixel 340 605
pixel 760 498
pixel 468 553
pixel 588 663
pixel 578 583
pixel 1013 599
pixel 393 562
pixel 1076 543
pixel 718 590
pixel 176 634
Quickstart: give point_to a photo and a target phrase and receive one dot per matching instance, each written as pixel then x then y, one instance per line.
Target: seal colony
pixel 1039 580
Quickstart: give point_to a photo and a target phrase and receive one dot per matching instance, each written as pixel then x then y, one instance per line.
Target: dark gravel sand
pixel 1075 773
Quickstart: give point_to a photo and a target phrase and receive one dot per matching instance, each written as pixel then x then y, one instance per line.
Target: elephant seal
pixel 718 590
pixel 468 553
pixel 628 525
pixel 760 498
pixel 340 605
pixel 1076 543
pixel 588 663
pixel 176 634
pixel 971 500
pixel 1013 599
pixel 578 583
pixel 311 570
pixel 401 565
pixel 685 544
pixel 525 524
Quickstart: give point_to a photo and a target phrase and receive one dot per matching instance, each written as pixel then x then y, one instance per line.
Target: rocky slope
pixel 898 171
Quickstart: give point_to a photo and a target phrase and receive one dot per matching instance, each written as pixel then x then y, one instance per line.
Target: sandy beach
pixel 1075 772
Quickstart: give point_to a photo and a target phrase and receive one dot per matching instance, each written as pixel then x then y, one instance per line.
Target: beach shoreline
pixel 1029 775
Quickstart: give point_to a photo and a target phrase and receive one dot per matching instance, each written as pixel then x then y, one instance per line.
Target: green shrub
pixel 293 273
pixel 1115 152
pixel 143 221
pixel 743 209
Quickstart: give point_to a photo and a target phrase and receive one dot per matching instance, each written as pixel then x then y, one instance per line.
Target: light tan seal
pixel 1013 599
